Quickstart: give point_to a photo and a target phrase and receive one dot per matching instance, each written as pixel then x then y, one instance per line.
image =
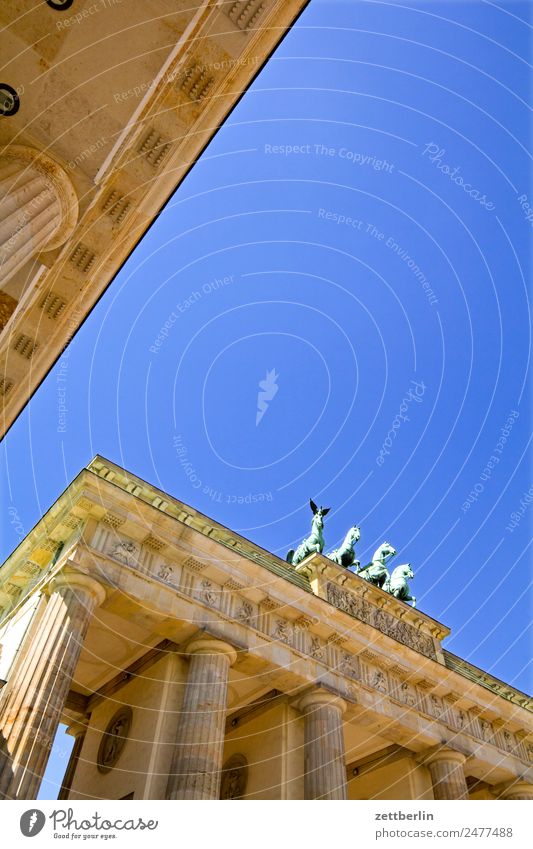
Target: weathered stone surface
pixel 291 636
pixel 325 770
pixel 36 697
pixel 366 612
pixel 446 767
pixel 197 762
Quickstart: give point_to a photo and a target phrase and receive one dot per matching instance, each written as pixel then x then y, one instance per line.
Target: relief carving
pixel 114 739
pixel 165 572
pixel 378 680
pixel 282 631
pixel 234 777
pixel 244 613
pixel 486 731
pixel 460 719
pixel 508 741
pixel 350 691
pixel 317 651
pixel 349 665
pixel 207 593
pixel 436 706
pixel 408 694
pixel 125 551
pixel 360 609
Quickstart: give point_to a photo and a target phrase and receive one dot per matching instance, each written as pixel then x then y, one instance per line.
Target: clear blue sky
pixel 412 120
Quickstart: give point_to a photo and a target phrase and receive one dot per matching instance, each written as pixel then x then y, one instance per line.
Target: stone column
pixel 447 774
pixel 78 731
pixel 325 768
pixel 517 790
pixel 33 709
pixel 40 207
pixel 197 761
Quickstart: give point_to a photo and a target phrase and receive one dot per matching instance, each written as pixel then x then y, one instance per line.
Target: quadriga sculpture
pixel 398 583
pixel 345 554
pixel 315 541
pixel 376 572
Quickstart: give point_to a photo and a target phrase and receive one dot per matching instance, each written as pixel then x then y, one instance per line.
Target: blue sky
pixel 359 226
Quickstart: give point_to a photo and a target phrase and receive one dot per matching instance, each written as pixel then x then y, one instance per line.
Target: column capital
pixel 76 728
pixel 67 579
pixel 212 646
pixel 42 679
pixel 441 753
pixel 446 767
pixel 196 767
pixel 56 177
pixel 515 790
pixel 318 697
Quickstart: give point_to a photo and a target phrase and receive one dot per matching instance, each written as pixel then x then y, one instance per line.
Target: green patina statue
pixel 376 572
pixel 315 541
pixel 345 555
pixel 398 583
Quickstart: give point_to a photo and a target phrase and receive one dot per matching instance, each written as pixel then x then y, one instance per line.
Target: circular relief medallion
pixel 114 739
pixel 60 5
pixel 234 777
pixel 9 100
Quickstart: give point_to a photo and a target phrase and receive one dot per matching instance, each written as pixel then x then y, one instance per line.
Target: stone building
pixel 105 106
pixel 188 663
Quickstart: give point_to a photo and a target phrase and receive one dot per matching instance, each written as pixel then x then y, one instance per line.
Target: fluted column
pixel 446 768
pixel 325 768
pixel 517 790
pixel 197 761
pixel 39 207
pixel 32 709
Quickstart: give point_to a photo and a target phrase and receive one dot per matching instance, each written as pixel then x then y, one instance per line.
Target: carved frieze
pixel 485 730
pixel 282 631
pixel 125 551
pixel 436 707
pixel 317 650
pixel 375 677
pixel 385 622
pixel 244 612
pixel 378 680
pixel 208 593
pixel 349 665
pixel 408 694
pixel 165 572
pixel 385 676
pixel 460 719
pixel 509 742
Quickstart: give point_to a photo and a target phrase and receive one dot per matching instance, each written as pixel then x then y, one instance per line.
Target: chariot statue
pixel 345 554
pixel 315 541
pixel 376 572
pixel 398 583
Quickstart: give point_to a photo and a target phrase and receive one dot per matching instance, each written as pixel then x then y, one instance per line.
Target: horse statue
pixel 315 541
pixel 376 572
pixel 398 586
pixel 345 555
